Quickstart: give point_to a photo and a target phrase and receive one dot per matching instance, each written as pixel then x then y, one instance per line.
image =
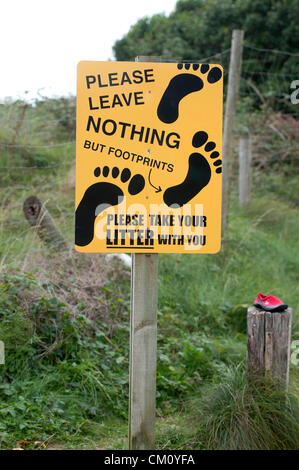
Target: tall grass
pixel 65 319
pixel 246 414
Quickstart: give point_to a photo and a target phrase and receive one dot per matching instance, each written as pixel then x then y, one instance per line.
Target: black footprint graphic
pixel 198 175
pixel 182 85
pixel 98 197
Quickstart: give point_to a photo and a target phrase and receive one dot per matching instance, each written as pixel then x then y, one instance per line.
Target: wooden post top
pixel 258 311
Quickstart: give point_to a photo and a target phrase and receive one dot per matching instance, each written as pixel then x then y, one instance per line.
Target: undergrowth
pixel 64 318
pixel 242 413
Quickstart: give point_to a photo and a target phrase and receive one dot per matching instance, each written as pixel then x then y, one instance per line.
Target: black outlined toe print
pixel 199 172
pixel 182 85
pixel 101 195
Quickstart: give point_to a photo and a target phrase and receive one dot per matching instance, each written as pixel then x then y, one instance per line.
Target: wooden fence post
pixel 245 156
pixel 19 124
pixel 39 218
pixel 268 344
pixel 2 353
pixel 143 351
pixel 230 111
pixel 143 344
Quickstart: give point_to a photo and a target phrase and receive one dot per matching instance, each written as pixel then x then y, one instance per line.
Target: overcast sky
pixel 43 40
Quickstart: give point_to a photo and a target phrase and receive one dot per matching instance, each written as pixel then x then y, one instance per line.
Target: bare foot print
pixel 198 175
pixel 182 85
pixel 100 196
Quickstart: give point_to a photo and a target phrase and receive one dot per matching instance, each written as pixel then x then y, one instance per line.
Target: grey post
pixel 268 343
pixel 230 111
pixel 143 351
pixel 39 218
pixel 245 156
pixel 143 345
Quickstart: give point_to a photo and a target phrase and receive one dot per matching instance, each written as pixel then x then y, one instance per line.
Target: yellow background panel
pixel 194 227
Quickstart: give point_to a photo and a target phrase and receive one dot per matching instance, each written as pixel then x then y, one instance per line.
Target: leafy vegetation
pixel 65 324
pixel 202 29
pixel 64 318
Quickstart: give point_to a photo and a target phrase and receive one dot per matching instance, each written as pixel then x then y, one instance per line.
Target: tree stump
pixel 39 218
pixel 268 344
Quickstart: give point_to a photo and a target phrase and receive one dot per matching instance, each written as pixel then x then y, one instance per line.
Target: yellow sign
pixel 148 168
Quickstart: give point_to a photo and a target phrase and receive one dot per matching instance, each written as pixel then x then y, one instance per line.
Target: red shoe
pixel 270 303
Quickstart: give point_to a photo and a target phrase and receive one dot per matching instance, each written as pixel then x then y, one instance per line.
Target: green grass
pixel 241 413
pixel 64 318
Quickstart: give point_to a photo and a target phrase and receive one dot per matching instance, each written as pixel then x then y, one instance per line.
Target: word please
pixel 118 79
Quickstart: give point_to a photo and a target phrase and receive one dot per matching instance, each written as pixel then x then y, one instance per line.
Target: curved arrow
pixel 157 190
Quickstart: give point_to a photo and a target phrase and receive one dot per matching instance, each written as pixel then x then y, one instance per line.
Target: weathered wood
pixel 143 351
pixel 255 339
pixel 19 124
pixel 277 355
pixel 148 58
pixel 269 342
pixel 2 353
pixel 39 218
pixel 244 169
pixel 230 111
pixel 143 344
